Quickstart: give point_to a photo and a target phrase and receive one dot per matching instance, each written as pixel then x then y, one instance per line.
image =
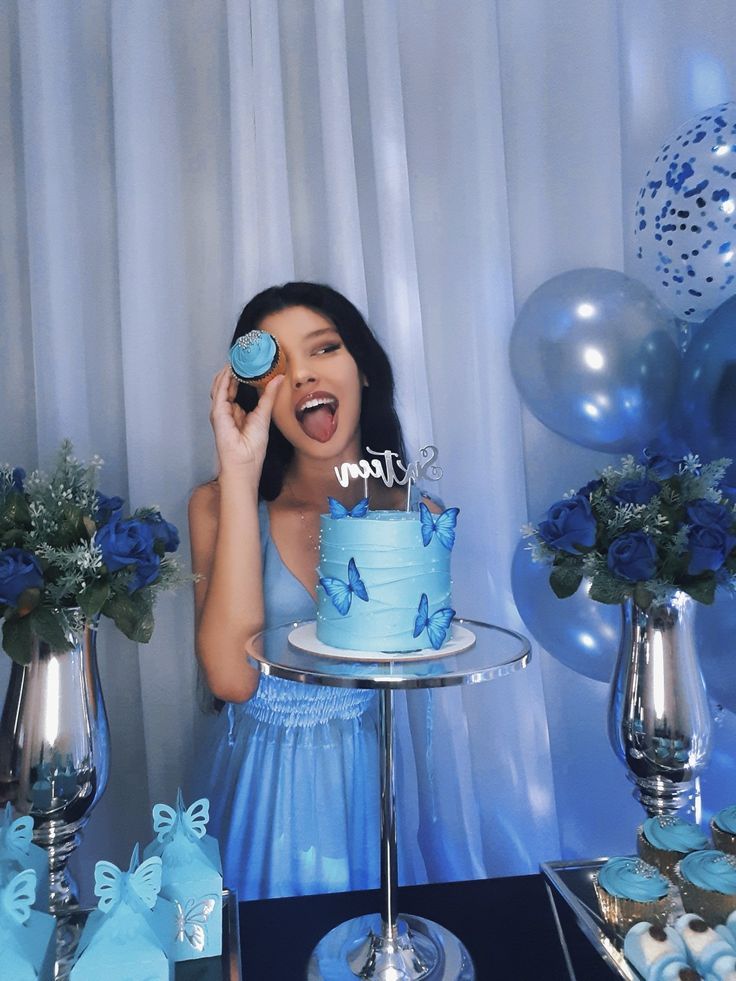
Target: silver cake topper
pixel 384 466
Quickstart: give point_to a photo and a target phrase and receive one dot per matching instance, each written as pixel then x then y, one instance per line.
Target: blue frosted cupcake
pixel 707 883
pixel 723 829
pixel 630 891
pixel 256 358
pixel 663 841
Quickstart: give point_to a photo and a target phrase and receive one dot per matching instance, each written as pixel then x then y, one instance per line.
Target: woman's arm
pixel 226 546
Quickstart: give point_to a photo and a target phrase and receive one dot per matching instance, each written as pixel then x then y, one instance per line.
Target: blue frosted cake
pixel 384 578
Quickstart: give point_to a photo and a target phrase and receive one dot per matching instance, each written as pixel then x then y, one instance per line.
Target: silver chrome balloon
pixel 659 721
pixel 595 358
pixel 55 751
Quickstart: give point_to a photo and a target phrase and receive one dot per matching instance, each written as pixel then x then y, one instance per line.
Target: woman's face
pixel 318 406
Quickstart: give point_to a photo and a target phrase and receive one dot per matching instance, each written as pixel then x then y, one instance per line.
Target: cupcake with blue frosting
pixel 664 840
pixel 707 883
pixel 723 829
pixel 256 358
pixel 630 891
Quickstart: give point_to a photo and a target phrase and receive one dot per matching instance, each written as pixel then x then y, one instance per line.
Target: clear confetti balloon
pixel 581 634
pixel 684 223
pixel 706 402
pixel 595 358
pixel 715 633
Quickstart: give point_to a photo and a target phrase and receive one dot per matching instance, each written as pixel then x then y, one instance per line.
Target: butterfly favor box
pixel 192 876
pixel 129 936
pixel 27 936
pixel 17 853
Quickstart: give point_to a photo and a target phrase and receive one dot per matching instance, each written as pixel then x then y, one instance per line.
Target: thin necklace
pixel 307 531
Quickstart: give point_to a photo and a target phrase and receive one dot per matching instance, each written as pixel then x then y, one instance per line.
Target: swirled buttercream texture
pixel 253 354
pixel 630 878
pixel 674 835
pixel 726 819
pixel 710 869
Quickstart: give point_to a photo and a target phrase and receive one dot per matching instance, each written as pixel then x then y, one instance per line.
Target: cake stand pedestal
pixel 387 946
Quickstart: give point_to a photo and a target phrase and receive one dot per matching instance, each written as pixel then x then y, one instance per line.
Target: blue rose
pixel 570 525
pixel 590 487
pixel 107 508
pixel 164 532
pixel 19 570
pixel 662 465
pixel 129 544
pixel 633 556
pixel 17 478
pixel 706 514
pixel 636 491
pixel 709 548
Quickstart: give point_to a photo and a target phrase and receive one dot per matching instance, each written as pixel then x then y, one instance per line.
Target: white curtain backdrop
pixel 162 161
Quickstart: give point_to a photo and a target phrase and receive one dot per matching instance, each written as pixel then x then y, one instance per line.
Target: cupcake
pixel 707 882
pixel 630 891
pixel 663 841
pixel 723 829
pixel 256 358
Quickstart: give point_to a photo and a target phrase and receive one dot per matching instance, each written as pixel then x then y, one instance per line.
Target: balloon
pixel 683 223
pixel 580 633
pixel 715 633
pixel 706 404
pixel 595 358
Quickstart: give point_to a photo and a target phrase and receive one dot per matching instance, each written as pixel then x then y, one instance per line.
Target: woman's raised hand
pixel 241 437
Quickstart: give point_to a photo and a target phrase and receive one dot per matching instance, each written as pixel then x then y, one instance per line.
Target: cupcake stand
pixel 387 946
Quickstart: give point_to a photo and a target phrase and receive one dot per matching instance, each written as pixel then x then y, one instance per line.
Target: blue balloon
pixel 683 227
pixel 595 358
pixel 580 633
pixel 706 404
pixel 715 633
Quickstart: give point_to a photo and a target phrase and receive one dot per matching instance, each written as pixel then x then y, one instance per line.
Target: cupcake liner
pixel 622 914
pixel 723 840
pixel 663 859
pixel 714 907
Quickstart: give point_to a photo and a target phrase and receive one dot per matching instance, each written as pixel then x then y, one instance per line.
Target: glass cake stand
pixel 385 946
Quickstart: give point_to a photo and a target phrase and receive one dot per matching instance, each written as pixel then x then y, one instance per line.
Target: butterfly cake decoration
pixel 18 852
pixel 341 593
pixel 192 876
pixel 436 624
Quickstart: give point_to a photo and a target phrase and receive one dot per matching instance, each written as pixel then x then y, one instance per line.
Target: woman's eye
pixel 328 349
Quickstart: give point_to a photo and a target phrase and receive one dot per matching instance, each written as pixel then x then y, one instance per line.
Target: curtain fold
pixel 436 162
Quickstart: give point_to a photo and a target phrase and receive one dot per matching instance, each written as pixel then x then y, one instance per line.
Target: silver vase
pixel 659 721
pixel 55 751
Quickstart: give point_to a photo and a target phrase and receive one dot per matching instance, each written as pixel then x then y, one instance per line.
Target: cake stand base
pixel 421 951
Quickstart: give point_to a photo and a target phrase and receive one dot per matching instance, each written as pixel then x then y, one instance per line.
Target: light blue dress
pixel 292 774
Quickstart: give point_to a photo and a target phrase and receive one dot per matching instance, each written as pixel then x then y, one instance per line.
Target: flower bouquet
pixel 67 555
pixel 643 530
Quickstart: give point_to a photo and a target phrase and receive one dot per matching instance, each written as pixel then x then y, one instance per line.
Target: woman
pixel 292 768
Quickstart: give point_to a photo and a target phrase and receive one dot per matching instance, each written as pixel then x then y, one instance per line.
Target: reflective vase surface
pixel 659 721
pixel 55 751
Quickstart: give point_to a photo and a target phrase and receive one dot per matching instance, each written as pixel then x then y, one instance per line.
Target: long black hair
pixel 379 424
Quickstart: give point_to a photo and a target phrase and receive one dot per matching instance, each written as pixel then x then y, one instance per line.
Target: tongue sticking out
pixel 319 423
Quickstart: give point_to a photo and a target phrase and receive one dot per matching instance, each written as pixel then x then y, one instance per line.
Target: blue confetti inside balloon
pixel 684 228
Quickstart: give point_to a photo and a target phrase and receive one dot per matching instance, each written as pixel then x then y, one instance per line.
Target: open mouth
pixel 317 415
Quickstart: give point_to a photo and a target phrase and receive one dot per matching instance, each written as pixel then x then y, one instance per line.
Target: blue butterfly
pixel 338 510
pixel 435 625
pixel 18 895
pixel 341 593
pixel 442 525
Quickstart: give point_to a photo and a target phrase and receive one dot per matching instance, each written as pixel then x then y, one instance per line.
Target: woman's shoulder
pixel 422 496
pixel 205 497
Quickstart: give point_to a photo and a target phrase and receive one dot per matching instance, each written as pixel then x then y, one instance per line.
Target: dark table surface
pixel 507 925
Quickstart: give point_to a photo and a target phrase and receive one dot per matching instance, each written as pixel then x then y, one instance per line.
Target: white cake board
pixel 304 638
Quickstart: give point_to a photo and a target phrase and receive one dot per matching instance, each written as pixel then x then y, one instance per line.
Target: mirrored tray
pixel 223 968
pixel 573 882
